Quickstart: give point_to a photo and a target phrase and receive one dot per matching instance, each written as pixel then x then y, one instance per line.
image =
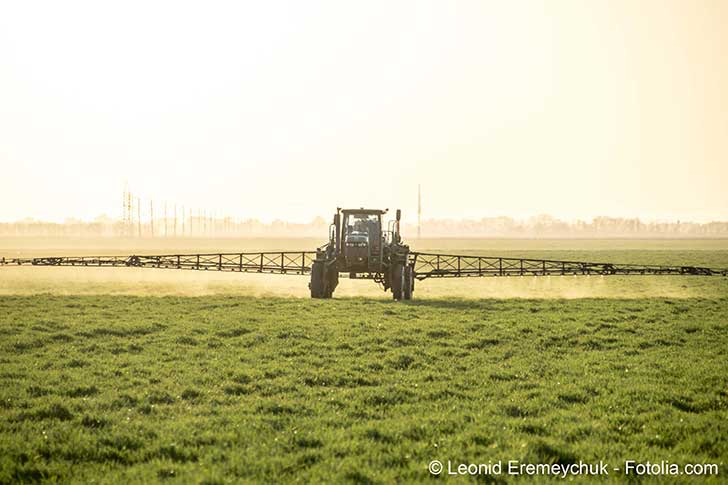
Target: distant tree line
pixel 203 227
pixel 549 226
pixel 539 226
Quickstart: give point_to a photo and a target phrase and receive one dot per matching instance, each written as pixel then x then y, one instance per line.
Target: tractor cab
pixel 362 239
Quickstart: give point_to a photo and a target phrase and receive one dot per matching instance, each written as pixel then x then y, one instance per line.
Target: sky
pixel 288 109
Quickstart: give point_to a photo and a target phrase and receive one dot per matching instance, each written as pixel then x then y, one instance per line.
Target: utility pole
pixel 175 220
pixel 139 217
pixel 151 216
pixel 419 211
pixel 124 215
pixel 130 222
pixel 128 216
pixel 183 221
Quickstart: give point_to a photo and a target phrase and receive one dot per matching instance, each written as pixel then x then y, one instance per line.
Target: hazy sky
pixel 287 109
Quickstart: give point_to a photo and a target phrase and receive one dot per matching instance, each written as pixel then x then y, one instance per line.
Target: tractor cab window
pixel 362 226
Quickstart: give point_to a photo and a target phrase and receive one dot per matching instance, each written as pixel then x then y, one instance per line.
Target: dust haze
pixel 155 282
pixel 28 280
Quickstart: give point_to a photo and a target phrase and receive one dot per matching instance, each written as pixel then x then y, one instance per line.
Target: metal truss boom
pixel 426 265
pixel 433 265
pixel 281 262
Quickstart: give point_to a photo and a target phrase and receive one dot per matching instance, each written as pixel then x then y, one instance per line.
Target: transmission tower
pixel 130 226
pixel 123 212
pixel 139 217
pixel 419 211
pixel 127 219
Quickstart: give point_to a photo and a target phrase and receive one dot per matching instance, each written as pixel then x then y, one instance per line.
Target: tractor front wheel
pixel 408 283
pixel 317 284
pixel 397 281
pixel 332 281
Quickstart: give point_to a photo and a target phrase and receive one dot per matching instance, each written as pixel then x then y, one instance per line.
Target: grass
pixel 234 388
pixel 224 377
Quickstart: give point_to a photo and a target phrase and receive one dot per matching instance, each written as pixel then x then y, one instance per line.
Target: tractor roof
pixel 362 210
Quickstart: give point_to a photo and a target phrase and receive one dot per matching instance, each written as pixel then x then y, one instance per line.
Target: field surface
pixel 212 381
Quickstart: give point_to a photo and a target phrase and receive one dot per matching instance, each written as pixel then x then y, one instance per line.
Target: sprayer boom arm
pixel 426 265
pixel 282 262
pixel 433 265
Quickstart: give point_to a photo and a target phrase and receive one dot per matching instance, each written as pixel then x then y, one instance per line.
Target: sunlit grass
pixel 238 388
pixel 123 374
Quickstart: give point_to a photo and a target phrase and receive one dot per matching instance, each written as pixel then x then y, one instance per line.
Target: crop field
pixel 142 375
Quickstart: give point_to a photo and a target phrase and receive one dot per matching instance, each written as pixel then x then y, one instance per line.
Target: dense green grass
pixel 218 389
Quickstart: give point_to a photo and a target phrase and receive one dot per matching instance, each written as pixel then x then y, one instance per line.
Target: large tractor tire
pixel 318 282
pixel 409 283
pixel 397 281
pixel 332 281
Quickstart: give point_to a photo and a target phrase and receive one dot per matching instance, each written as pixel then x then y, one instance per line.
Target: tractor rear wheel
pixel 397 281
pixel 409 283
pixel 317 284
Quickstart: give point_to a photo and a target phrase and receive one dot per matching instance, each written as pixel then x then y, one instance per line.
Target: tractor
pixel 360 246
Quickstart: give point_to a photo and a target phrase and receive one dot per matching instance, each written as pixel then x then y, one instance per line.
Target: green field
pixel 99 381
